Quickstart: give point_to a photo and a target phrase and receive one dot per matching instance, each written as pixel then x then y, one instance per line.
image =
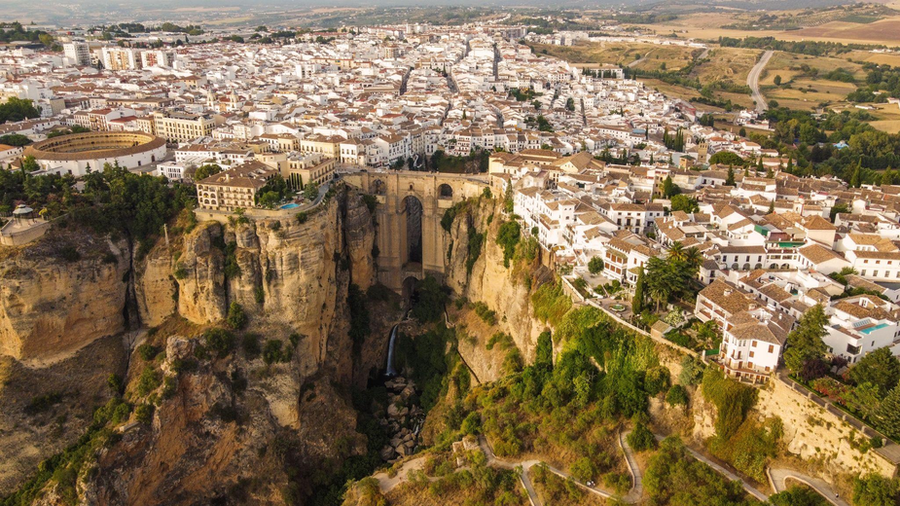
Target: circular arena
pixel 75 154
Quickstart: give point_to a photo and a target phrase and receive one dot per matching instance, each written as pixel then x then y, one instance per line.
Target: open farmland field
pixel 672 57
pixel 727 63
pixel 710 27
pixel 877 58
pixel 887 118
pixel 620 53
pixel 885 31
pixel 804 84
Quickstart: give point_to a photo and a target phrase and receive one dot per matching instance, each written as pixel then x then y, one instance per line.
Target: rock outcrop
pixel 489 280
pixel 61 294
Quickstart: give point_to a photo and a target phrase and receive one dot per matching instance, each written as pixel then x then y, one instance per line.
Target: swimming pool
pixel 292 205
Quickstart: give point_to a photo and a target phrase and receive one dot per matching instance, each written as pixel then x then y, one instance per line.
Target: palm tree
pixel 693 259
pixel 676 251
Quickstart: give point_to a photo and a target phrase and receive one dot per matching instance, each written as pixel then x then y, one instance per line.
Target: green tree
pixel 669 188
pixel 16 140
pixel 888 414
pixel 805 342
pixel 677 396
pixel 798 496
pixel 880 368
pixel 17 109
pixel 637 301
pixel 876 490
pixel 583 470
pixel 729 179
pixel 726 158
pixel 29 164
pixel 206 170
pixel 595 265
pixel 543 356
pixel 856 177
pixel 640 438
pixel 684 203
pixel 507 238
pixel 311 191
pixel 236 318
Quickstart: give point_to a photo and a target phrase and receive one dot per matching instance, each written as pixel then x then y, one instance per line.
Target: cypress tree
pixel 729 180
pixel 637 302
pixel 889 414
pixel 855 178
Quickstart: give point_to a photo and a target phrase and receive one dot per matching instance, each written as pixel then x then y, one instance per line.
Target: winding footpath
pixel 778 478
pixel 753 81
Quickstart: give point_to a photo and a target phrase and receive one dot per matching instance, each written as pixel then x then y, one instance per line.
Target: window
pixel 771 348
pixel 752 354
pixel 753 344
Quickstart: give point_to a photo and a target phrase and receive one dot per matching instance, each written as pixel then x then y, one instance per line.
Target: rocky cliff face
pixel 61 294
pixel 489 281
pixel 67 291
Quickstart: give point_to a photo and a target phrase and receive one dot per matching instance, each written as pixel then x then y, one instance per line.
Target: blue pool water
pixel 289 206
pixel 873 329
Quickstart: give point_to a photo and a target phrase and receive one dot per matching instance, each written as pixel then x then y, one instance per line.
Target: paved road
pixel 753 81
pixel 779 479
pixel 703 55
pixel 639 60
pixel 637 477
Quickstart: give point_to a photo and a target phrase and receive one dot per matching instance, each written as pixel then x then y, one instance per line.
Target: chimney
pixel 727 292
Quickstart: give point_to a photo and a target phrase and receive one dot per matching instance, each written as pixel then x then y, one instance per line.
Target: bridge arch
pixel 413 210
pixel 409 246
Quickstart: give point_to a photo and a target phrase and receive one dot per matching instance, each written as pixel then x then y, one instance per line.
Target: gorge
pixel 270 361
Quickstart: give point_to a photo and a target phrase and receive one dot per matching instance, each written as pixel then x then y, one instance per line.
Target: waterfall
pixel 390 358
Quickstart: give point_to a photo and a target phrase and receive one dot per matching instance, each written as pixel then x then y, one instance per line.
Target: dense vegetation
pixel 811 144
pixel 113 200
pixel 809 47
pixel 740 440
pixel 17 109
pixel 882 81
pixel 674 478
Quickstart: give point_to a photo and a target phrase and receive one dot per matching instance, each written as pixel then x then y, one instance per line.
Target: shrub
pixel 236 318
pixel 691 371
pixel 550 303
pixel 657 380
pixel 640 438
pixel 595 265
pixel 42 403
pixel 272 352
pixel 144 413
pixel 508 237
pixel 114 382
pixel 219 341
pixel 147 352
pixel 583 470
pixel 250 345
pixel 485 313
pixel 471 424
pixel 677 396
pixel 148 381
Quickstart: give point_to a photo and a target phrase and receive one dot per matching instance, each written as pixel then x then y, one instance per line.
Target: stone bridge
pixel 410 240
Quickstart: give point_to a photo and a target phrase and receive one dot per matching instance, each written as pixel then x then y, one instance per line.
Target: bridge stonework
pixel 437 193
